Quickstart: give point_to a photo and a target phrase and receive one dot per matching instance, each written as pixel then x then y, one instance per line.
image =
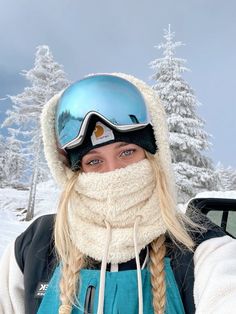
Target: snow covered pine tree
pixel 46 78
pixel 226 177
pixel 188 140
pixel 11 162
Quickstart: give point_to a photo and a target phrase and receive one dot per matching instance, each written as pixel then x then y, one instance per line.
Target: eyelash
pixel 130 150
pixel 95 162
pixel 91 162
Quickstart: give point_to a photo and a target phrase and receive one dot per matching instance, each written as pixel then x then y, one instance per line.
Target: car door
pixel 221 211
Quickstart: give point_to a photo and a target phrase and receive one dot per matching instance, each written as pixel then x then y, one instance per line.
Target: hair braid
pixel 72 260
pixel 69 282
pixel 157 254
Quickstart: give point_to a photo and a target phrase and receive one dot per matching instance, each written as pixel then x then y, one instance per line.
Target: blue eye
pixel 127 152
pixel 93 162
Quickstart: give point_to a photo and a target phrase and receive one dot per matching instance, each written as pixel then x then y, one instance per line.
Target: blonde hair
pixel 73 260
pixel 177 224
pixel 178 228
pixel 157 255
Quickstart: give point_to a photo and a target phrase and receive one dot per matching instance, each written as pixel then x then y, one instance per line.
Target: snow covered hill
pixel 13 201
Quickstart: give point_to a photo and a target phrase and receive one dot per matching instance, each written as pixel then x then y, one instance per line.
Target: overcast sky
pixel 106 36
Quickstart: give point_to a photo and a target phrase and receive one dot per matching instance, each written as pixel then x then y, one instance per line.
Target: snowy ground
pixel 13 201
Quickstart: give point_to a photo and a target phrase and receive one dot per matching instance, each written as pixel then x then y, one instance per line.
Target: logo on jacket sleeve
pixel 41 289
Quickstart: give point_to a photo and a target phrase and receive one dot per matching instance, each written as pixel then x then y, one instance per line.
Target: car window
pixel 215 216
pixel 220 211
pixel 231 225
pixel 224 219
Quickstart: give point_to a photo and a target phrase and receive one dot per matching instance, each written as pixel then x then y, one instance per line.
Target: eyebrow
pixel 94 151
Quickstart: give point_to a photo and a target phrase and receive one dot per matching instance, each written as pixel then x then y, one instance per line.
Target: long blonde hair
pixel 73 260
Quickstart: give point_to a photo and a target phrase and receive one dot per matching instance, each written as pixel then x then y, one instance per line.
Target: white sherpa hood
pixel 57 162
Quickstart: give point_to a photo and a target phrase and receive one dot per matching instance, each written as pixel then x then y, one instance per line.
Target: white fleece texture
pixel 57 162
pixel 215 276
pixel 11 284
pixel 118 197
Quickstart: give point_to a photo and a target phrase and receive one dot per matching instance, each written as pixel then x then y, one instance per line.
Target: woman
pixel 118 245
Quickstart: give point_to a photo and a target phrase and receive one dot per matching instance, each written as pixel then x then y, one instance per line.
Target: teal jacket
pixel 121 293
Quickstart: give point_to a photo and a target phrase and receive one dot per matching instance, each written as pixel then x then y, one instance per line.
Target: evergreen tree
pixel 12 163
pixel 46 79
pixel 226 177
pixel 188 140
pixel 2 161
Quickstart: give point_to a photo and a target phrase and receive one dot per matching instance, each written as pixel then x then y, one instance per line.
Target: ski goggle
pixel 112 99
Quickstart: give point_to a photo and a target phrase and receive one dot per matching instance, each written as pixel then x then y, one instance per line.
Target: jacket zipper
pixel 89 300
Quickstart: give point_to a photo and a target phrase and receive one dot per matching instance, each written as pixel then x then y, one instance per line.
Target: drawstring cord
pixel 139 276
pixel 146 259
pixel 104 261
pixel 103 271
pixel 104 266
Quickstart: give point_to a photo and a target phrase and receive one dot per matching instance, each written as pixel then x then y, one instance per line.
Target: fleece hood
pixel 57 162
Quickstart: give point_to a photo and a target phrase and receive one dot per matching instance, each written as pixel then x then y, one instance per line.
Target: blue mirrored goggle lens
pixel 114 98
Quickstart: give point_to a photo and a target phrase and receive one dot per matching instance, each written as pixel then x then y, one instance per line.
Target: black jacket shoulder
pixel 35 240
pixel 35 255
